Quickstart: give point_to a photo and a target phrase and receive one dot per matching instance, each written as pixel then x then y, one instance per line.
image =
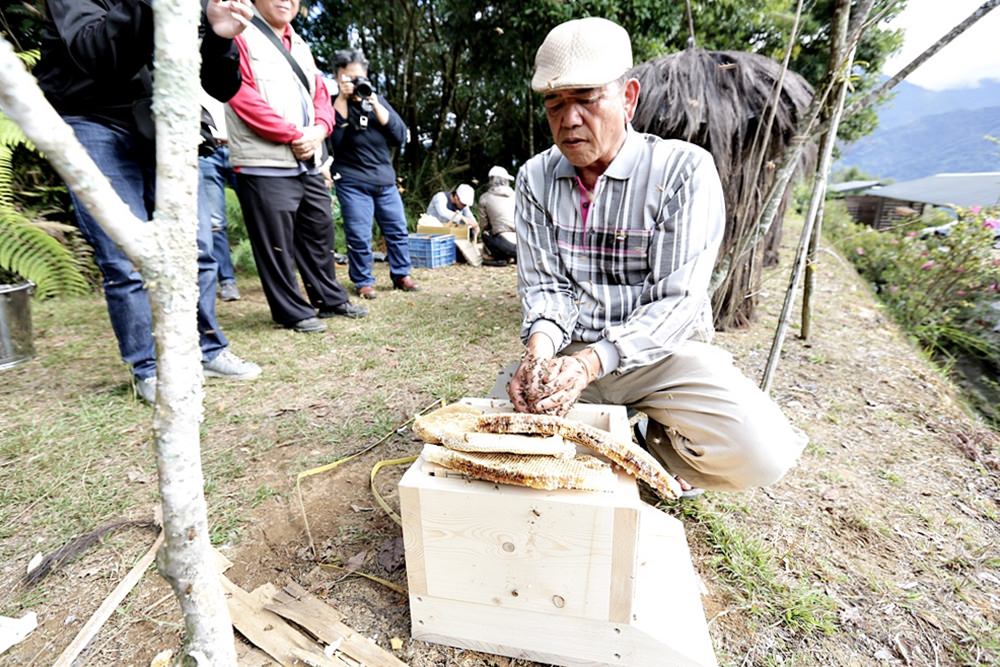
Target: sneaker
pixel 308 325
pixel 228 291
pixel 346 309
pixel 228 365
pixel 145 388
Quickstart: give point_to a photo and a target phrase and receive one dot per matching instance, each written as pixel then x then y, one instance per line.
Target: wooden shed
pixel 882 206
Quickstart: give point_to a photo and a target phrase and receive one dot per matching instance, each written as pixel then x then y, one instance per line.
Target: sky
pixel 971 57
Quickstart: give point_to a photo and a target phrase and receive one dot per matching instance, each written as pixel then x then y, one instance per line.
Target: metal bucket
pixel 16 344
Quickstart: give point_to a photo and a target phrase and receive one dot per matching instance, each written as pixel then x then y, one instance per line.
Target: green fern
pixel 26 248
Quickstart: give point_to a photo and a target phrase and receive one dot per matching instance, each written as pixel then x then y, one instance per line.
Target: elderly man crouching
pixel 618 234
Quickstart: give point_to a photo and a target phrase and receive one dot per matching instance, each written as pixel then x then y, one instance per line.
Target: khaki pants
pixel 708 423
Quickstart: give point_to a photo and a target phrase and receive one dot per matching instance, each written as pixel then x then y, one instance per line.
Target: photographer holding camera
pixel 367 129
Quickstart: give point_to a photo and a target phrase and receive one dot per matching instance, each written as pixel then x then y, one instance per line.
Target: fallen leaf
pixel 35 561
pixel 850 615
pixel 137 476
pixel 356 561
pixel 162 659
pixel 396 643
pixel 884 655
pixel 392 555
pixel 928 617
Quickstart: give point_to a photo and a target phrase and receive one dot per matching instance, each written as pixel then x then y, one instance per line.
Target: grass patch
pixel 751 570
pixel 77 451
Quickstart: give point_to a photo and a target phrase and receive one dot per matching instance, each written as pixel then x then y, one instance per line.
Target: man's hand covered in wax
pixel 551 385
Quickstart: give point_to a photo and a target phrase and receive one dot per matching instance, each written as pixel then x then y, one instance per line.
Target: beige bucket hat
pixel 583 53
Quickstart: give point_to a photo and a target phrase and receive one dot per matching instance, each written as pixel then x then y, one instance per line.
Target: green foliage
pixel 939 287
pixel 851 174
pixel 27 248
pixel 236 230
pixel 21 24
pixel 811 60
pixel 458 73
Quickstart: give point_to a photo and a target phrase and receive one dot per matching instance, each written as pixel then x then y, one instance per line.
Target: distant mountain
pixel 912 102
pixel 923 132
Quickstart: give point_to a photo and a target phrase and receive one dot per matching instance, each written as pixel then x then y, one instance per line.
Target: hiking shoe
pixel 228 291
pixel 227 365
pixel 346 309
pixel 406 283
pixel 145 388
pixel 308 325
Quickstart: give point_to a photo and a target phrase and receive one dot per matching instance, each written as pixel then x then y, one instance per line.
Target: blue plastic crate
pixel 432 251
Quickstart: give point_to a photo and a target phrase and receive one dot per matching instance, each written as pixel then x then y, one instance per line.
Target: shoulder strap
pixel 269 33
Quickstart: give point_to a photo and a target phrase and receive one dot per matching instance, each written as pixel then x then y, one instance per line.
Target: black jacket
pixel 97 61
pixel 362 150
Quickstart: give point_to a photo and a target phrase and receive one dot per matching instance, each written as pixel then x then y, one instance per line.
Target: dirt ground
pixel 891 519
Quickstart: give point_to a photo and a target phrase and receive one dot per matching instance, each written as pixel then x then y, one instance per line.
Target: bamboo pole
pixel 815 204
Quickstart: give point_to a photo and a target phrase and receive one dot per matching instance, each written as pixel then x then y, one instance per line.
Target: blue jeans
pixel 128 163
pixel 216 173
pixel 358 203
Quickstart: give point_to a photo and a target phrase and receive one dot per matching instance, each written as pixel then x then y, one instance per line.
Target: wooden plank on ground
pixel 248 655
pixel 270 632
pixel 299 606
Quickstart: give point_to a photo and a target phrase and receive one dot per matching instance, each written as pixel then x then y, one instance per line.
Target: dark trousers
pixel 289 225
pixel 499 247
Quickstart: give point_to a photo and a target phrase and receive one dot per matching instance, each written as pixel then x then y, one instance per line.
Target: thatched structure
pixel 718 100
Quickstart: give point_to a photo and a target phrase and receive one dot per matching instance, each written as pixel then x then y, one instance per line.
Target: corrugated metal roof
pixel 965 190
pixel 847 186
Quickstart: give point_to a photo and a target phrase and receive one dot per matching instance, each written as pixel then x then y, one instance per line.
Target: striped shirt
pixel 632 277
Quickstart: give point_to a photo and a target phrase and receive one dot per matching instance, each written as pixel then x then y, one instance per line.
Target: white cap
pixel 583 53
pixel 466 194
pixel 500 172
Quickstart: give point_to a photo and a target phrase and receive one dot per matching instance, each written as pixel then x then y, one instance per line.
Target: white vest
pixel 282 89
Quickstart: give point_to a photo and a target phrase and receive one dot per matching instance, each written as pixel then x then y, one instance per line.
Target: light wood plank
pixel 413 540
pixel 623 564
pixel 323 621
pixel 270 632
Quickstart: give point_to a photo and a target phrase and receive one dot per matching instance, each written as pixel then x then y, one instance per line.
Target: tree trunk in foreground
pixel 185 561
pixel 165 250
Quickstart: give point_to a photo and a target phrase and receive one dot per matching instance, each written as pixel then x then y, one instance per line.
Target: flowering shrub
pixel 939 287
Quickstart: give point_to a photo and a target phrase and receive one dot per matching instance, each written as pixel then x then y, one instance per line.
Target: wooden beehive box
pixel 562 577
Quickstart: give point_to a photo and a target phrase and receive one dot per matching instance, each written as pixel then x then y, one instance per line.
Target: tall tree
pixel 458 72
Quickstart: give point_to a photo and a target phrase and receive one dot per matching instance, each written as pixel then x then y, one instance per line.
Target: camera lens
pixel 362 87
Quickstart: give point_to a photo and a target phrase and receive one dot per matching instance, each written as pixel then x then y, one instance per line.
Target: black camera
pixel 362 87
